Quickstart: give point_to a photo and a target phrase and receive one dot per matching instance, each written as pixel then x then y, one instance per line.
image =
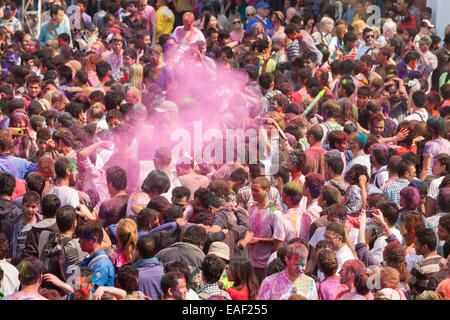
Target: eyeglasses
pixel 236 22
pixel 370 36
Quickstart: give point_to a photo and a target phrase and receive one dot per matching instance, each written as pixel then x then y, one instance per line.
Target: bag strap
pixel 96 258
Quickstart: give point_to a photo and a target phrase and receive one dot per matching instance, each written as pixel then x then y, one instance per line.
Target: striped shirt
pixel 423 270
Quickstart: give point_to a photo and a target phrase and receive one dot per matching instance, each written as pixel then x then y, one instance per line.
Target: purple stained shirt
pixel 17 167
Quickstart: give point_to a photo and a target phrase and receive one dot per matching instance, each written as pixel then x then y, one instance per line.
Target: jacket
pixel 32 243
pixel 8 211
pixel 150 274
pixel 186 252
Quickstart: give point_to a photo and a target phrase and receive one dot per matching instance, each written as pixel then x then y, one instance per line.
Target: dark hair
pixel 159 203
pixel 283 173
pixel 350 37
pixel 239 174
pixel 170 280
pixel 212 268
pixel 298 158
pixel 156 181
pixel 30 271
pixel 336 137
pixel 355 171
pixel 419 98
pixel 61 167
pixel 172 214
pixel 327 262
pixel 113 99
pixel 54 9
pixel 265 80
pixel 390 211
pixel 314 182
pixel 316 131
pixel 146 247
pixel 31 197
pixel 244 275
pixel 74 108
pixel 127 277
pixel 331 195
pixel 102 68
pixel 195 235
pixel 65 218
pixel 403 167
pixel 426 236
pixel 117 176
pixel 256 169
pixel 181 192
pixel 49 205
pixel 89 229
pixel 7 184
pixel 64 135
pixel 444 202
pixel 381 155
pixel 336 164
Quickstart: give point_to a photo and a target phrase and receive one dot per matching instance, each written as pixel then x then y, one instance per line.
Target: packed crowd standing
pixel 94 206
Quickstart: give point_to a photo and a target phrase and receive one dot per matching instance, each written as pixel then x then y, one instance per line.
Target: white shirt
pixel 342 255
pixel 362 160
pixel 66 195
pixel 10 283
pixel 419 115
pixel 380 244
pixel 319 235
pixel 434 188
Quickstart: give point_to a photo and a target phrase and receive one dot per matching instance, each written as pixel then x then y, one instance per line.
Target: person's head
pixel 173 285
pixel 31 204
pixel 353 174
pixel 337 140
pixel 57 14
pixel 425 241
pixel 296 258
pixel 147 219
pixel 411 222
pixel 327 262
pixel 33 85
pixel 357 141
pixel 329 195
pixel 146 247
pixel 126 234
pixel 440 165
pixel 30 272
pixel 116 179
pixel 83 284
pixel 313 184
pixel 314 134
pixel 350 41
pixel 390 211
pixel 409 198
pixel 363 97
pixel 406 170
pixel 379 155
pixel 355 274
pixel 260 188
pixel 90 233
pixel 335 232
pixel 389 278
pixel 241 272
pixel 394 256
pixel 444 222
pixel 292 194
pixel 127 277
pixel 188 20
pixel 66 218
pixel 157 182
pixel 7 184
pixel 296 162
pixel 212 268
pixel 63 138
pixel 65 168
pixel 180 197
pixel 195 235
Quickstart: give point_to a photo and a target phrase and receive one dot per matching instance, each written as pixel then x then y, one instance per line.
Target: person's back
pixel 149 267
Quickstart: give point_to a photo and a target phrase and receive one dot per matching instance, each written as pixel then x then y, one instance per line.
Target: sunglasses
pixel 236 22
pixel 250 14
pixel 370 36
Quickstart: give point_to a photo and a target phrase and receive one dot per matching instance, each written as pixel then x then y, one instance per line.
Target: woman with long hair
pixel 210 22
pixel 126 234
pixel 354 274
pixel 246 283
pixel 437 145
pixel 136 79
pixel 394 256
pixel 411 222
pixel 331 286
pixel 22 145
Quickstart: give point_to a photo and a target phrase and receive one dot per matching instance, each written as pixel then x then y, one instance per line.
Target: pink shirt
pixel 299 220
pixel 150 15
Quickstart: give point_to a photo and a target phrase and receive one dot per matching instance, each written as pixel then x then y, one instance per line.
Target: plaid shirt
pixel 392 190
pixel 214 290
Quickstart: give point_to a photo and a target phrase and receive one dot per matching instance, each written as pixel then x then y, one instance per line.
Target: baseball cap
pixel 262 5
pixel 167 106
pixel 220 249
pixel 89 26
pixel 426 23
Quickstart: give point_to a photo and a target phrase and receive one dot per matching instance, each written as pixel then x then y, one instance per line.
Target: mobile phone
pixel 369 213
pixel 16 131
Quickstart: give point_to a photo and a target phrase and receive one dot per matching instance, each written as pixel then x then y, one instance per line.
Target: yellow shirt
pixel 165 20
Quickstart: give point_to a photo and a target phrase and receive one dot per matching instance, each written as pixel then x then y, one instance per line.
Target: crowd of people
pixel 352 203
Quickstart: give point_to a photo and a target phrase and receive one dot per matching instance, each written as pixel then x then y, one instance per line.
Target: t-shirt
pixel 264 223
pixel 278 287
pixel 67 195
pixel 342 255
pixel 423 271
pixel 433 192
pixel 419 115
pixel 362 160
pixel 193 181
pixel 111 211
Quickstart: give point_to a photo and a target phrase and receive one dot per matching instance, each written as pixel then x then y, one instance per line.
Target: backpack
pixel 51 250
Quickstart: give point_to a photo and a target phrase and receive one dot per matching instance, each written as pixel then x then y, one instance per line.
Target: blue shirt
pixel 103 269
pixel 46 34
pixel 17 167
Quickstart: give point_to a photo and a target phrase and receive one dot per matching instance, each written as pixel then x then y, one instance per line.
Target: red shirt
pixel 411 23
pixel 238 294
